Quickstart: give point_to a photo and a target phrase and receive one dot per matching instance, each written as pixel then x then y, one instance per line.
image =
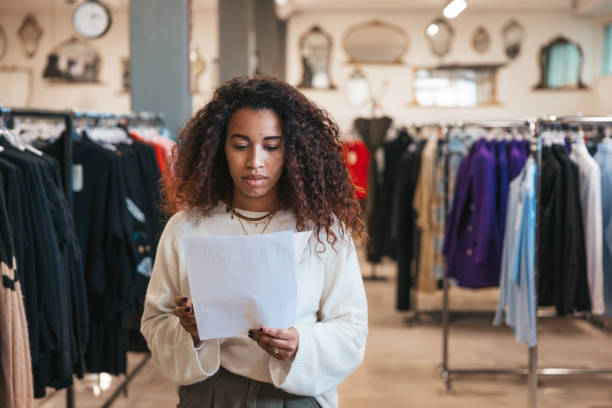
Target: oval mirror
pixel 440 35
pixel 315 50
pixel 375 42
pixel 513 34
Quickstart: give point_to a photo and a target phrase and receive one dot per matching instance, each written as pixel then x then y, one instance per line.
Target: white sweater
pixel 331 314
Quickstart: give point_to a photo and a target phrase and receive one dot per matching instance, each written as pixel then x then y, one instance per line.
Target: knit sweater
pixel 331 313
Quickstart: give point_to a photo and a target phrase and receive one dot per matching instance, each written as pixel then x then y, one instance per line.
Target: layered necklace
pixel 255 221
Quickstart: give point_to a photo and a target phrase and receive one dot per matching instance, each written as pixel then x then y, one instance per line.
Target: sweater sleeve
pixel 171 346
pixel 333 347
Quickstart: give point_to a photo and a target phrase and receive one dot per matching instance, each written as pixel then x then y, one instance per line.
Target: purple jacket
pixel 516 158
pixel 473 242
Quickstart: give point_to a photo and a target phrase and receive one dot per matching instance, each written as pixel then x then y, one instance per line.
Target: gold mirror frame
pixel 315 29
pixel 541 57
pixel 376 23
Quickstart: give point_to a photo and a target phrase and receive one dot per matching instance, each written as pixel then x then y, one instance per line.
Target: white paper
pixel 243 282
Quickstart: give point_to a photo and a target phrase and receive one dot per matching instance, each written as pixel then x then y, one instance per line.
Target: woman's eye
pixel 272 148
pixel 240 147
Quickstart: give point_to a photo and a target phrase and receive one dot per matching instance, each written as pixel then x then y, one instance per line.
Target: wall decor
pixel 73 61
pixel 481 40
pixel 358 90
pixel 376 42
pixel 126 76
pixel 197 65
pixel 92 19
pixel 440 35
pixel 315 51
pixel 3 42
pixel 30 33
pixel 513 35
pixel 16 84
pixel 455 85
pixel 561 63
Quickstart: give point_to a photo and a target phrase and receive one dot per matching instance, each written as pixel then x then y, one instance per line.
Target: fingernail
pixel 184 299
pixel 187 309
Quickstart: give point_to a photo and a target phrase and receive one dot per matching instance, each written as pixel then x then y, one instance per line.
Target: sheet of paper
pixel 243 282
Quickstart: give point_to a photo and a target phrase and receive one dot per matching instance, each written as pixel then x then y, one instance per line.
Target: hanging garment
pixel 589 183
pixel 357 158
pixel 373 132
pixel 425 204
pixel 604 160
pixel 393 151
pixel 502 182
pixel 16 386
pixel 472 241
pixel 48 279
pixel 403 219
pixel 456 152
pixel 575 295
pixel 102 222
pixel 517 306
pixel 516 158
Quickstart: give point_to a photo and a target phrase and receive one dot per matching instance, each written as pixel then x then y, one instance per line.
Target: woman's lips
pixel 255 180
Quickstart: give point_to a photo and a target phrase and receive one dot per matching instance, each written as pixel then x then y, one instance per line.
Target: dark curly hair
pixel 315 183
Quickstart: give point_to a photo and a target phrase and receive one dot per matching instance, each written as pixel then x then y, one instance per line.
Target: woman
pixel 259 157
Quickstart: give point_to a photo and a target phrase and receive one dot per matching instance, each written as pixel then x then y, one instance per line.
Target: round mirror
pixel 440 35
pixel 513 34
pixel 315 49
pixel 358 89
pixel 375 42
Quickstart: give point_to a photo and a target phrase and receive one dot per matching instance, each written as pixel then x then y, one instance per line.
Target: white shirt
pixel 589 179
pixel 331 314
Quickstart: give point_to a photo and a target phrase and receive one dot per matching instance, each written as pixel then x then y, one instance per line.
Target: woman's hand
pixel 184 311
pixel 281 344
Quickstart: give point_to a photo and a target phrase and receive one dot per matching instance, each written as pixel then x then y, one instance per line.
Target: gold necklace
pixel 265 227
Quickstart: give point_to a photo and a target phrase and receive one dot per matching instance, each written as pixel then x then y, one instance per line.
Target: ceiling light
pixel 432 29
pixel 280 3
pixel 454 8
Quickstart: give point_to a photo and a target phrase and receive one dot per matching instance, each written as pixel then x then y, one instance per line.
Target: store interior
pixel 414 86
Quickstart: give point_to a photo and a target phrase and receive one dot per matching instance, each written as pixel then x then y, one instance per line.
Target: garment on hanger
pixel 393 151
pixel 589 183
pixel 603 158
pixel 562 279
pixel 16 387
pixel 357 158
pixel 51 271
pixel 373 132
pixel 403 219
pixel 516 158
pixel 517 305
pixel 502 182
pixel 426 203
pixel 472 242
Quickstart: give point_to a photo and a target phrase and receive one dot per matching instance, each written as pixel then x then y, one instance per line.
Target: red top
pixel 357 159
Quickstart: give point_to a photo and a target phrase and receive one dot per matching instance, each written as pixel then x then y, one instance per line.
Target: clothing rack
pixel 532 371
pixel 415 318
pixel 69 117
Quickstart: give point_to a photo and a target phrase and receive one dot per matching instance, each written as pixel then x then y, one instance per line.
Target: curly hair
pixel 315 183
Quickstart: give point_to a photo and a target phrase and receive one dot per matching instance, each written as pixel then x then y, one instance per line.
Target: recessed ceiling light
pixel 432 29
pixel 454 8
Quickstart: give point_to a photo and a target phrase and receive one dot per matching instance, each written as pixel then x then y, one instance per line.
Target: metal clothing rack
pixel 532 370
pixel 69 118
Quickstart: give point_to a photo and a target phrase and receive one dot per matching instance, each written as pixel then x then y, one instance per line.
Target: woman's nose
pixel 255 159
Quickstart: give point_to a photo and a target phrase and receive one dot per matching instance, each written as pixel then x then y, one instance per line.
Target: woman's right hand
pixel 184 311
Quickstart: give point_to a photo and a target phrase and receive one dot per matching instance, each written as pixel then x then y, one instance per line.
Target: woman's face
pixel 255 153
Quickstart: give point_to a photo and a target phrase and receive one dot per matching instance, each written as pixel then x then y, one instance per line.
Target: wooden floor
pixel 400 370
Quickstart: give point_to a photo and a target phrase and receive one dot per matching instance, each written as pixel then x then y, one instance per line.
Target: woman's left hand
pixel 281 344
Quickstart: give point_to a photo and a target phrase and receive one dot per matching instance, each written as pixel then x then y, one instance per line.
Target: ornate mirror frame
pixel 580 85
pixel 318 30
pixel 376 23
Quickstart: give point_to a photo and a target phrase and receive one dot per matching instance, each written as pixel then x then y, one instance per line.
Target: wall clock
pixel 92 19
